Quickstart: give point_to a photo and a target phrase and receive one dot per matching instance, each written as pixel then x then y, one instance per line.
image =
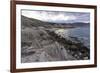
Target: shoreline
pixel 78 50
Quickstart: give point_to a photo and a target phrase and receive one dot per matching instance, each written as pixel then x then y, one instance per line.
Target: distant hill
pixel 80 24
pixel 72 24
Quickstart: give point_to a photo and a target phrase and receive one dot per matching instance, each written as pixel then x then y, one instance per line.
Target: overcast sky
pixel 58 16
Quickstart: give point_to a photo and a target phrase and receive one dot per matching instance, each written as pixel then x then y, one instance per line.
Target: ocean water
pixel 81 33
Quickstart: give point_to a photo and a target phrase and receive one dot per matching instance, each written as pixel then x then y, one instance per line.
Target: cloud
pixel 62 17
pixel 54 16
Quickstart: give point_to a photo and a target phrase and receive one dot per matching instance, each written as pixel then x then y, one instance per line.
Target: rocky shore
pixel 72 46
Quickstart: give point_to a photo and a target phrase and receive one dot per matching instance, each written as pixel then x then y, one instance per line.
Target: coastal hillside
pixel 31 22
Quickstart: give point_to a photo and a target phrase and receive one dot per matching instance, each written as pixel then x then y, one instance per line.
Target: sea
pixel 81 33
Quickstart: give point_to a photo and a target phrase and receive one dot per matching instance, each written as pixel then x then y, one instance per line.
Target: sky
pixel 57 16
